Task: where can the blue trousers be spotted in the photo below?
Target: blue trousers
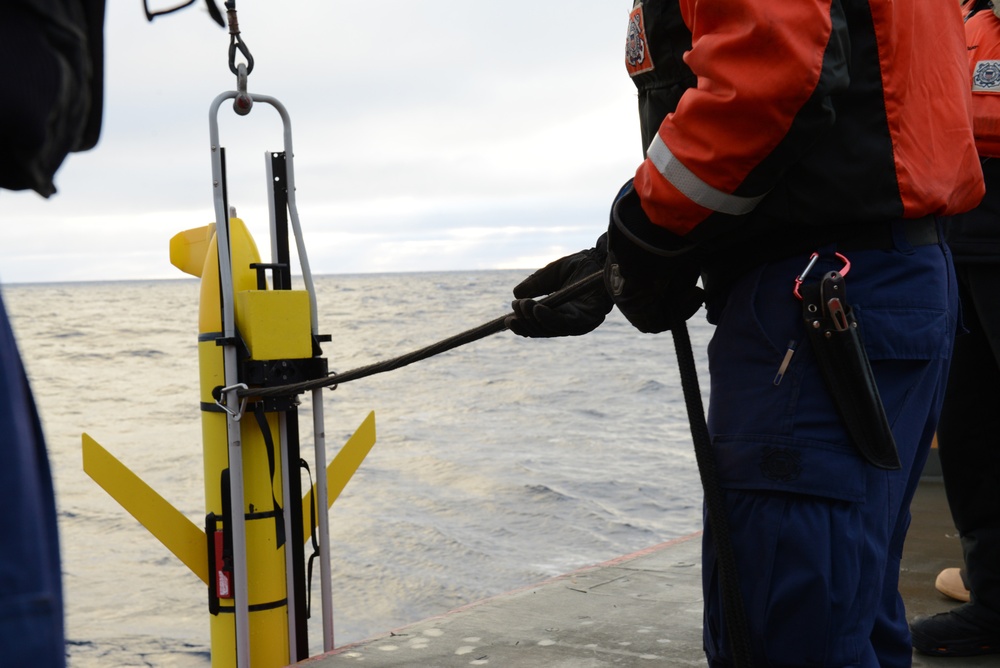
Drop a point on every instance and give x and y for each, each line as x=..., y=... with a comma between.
x=31, y=603
x=817, y=531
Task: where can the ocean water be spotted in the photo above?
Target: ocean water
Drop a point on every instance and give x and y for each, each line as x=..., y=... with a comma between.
x=496, y=465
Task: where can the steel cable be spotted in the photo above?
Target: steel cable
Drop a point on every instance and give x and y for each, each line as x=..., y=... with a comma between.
x=476, y=333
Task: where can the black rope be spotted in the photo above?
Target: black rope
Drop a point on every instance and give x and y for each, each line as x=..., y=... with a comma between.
x=732, y=599
x=468, y=336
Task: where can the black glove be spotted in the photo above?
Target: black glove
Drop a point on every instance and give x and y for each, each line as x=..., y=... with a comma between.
x=651, y=273
x=577, y=316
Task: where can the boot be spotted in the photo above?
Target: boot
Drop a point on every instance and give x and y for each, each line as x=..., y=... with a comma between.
x=968, y=630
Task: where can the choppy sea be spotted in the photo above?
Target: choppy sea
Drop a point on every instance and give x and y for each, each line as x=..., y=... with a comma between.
x=496, y=465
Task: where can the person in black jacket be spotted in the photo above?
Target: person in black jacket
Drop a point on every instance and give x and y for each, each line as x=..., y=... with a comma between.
x=51, y=102
x=969, y=434
x=969, y=430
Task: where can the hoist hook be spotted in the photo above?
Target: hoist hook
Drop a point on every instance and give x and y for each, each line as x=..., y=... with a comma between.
x=243, y=102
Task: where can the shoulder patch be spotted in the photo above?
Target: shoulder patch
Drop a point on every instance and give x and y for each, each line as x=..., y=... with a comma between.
x=986, y=77
x=637, y=56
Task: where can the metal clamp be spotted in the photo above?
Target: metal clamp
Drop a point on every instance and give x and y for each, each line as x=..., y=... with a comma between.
x=831, y=293
x=243, y=102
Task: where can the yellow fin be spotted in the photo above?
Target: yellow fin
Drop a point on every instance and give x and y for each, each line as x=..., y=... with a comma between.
x=179, y=534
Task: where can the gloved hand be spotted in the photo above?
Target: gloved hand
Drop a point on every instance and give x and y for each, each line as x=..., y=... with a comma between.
x=577, y=316
x=650, y=273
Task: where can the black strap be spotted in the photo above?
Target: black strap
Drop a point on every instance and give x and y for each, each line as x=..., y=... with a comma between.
x=265, y=430
x=257, y=607
x=312, y=535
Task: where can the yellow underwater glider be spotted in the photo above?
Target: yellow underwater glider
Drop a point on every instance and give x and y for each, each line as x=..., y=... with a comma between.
x=250, y=552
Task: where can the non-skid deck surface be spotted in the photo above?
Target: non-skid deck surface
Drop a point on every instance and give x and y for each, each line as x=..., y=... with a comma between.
x=641, y=610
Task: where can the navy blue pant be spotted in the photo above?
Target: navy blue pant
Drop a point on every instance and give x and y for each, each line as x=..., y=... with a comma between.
x=817, y=531
x=31, y=604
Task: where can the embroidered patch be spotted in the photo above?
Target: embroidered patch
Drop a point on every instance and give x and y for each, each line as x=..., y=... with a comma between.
x=781, y=464
x=987, y=76
x=637, y=56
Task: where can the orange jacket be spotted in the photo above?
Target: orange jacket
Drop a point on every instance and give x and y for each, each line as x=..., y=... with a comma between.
x=813, y=113
x=982, y=32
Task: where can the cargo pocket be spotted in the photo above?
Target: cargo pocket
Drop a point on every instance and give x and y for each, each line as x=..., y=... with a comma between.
x=803, y=596
x=782, y=464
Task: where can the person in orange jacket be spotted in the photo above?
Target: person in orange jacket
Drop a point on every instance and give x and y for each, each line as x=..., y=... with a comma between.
x=779, y=135
x=968, y=443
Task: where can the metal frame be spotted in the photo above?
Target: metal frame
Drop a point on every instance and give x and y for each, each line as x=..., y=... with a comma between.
x=231, y=380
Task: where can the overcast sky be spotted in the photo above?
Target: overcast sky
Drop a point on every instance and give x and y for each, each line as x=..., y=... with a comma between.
x=428, y=135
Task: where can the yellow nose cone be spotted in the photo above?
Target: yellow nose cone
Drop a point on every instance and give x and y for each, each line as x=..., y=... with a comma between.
x=189, y=248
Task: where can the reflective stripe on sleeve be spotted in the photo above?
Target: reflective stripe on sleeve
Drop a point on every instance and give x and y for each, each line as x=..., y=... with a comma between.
x=694, y=188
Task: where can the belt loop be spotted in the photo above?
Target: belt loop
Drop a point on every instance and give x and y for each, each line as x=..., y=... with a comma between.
x=827, y=250
x=899, y=239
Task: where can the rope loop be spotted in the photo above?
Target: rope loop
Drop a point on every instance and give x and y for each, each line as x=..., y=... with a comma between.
x=235, y=41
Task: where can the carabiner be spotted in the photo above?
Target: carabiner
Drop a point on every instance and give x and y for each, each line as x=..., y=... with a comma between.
x=236, y=414
x=812, y=262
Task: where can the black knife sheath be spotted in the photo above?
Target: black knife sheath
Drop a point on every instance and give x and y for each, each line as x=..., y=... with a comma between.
x=843, y=362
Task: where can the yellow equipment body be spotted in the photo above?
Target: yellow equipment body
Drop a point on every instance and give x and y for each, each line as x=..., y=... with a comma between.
x=262, y=477
x=250, y=337
x=272, y=325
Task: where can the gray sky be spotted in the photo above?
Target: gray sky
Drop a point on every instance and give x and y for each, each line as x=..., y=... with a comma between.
x=428, y=135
